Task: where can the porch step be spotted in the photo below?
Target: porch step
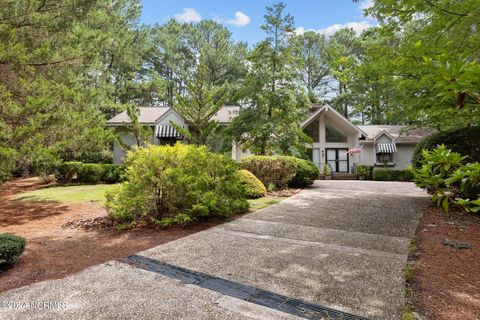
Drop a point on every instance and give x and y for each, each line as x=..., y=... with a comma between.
x=341, y=176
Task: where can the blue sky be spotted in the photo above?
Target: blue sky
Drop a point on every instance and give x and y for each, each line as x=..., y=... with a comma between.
x=244, y=17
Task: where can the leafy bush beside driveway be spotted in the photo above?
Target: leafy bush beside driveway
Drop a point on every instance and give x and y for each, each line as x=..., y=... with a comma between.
x=254, y=188
x=445, y=175
x=176, y=185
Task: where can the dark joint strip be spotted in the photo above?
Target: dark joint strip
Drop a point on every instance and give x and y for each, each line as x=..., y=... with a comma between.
x=240, y=291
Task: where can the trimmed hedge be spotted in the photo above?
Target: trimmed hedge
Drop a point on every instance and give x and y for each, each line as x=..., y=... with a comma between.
x=281, y=171
x=465, y=141
x=273, y=171
x=89, y=172
x=306, y=173
x=382, y=174
x=11, y=247
x=254, y=188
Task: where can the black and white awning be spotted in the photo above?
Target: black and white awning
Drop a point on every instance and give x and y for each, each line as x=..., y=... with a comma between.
x=386, y=148
x=167, y=131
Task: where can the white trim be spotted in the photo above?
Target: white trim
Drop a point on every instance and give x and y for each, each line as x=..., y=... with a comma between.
x=166, y=113
x=327, y=108
x=385, y=133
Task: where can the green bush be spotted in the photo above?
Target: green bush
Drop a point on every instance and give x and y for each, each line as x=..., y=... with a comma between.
x=365, y=171
x=305, y=173
x=445, y=175
x=463, y=141
x=176, y=185
x=11, y=247
x=89, y=172
x=254, y=188
x=382, y=174
x=281, y=171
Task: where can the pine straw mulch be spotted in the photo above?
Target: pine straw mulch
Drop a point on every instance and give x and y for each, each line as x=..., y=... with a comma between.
x=445, y=282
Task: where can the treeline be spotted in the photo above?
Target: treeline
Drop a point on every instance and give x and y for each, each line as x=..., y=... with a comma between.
x=66, y=66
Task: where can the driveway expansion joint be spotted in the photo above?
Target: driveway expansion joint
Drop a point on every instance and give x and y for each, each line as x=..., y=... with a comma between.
x=240, y=291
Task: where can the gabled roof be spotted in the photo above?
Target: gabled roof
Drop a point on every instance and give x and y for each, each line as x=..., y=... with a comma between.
x=151, y=115
x=383, y=132
x=226, y=114
x=148, y=115
x=315, y=110
x=397, y=132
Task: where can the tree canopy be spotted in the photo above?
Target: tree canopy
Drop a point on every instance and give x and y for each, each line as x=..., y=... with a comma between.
x=67, y=66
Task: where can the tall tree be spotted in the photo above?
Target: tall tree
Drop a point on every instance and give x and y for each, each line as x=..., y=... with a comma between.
x=53, y=57
x=275, y=104
x=436, y=60
x=198, y=106
x=181, y=47
x=311, y=48
x=343, y=53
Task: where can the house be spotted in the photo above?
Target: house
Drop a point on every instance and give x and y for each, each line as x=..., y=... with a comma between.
x=343, y=145
x=336, y=141
x=158, y=119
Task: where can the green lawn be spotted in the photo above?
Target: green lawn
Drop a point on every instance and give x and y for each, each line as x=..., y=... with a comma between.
x=257, y=204
x=68, y=194
x=84, y=193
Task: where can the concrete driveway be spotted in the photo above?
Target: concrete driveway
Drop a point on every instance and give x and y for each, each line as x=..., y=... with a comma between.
x=334, y=251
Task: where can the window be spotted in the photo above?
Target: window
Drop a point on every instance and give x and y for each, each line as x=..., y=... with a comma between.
x=332, y=135
x=385, y=157
x=312, y=131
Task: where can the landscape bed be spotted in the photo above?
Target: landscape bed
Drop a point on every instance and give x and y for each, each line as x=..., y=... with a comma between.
x=443, y=278
x=44, y=216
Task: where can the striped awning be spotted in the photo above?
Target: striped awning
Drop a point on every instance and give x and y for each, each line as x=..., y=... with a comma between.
x=386, y=148
x=167, y=131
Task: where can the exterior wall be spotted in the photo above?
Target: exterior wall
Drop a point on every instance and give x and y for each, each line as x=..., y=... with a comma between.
x=367, y=156
x=238, y=153
x=404, y=155
x=319, y=148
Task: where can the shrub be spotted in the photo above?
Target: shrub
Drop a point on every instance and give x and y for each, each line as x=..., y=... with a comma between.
x=254, y=188
x=11, y=247
x=176, y=185
x=89, y=172
x=463, y=141
x=365, y=171
x=382, y=174
x=444, y=175
x=305, y=173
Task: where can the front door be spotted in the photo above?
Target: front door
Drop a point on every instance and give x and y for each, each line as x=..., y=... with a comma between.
x=337, y=158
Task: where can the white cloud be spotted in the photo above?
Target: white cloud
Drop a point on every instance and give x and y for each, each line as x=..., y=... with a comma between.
x=188, y=15
x=366, y=4
x=358, y=27
x=241, y=19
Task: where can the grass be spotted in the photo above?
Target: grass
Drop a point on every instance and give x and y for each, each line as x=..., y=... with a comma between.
x=257, y=204
x=96, y=193
x=68, y=194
